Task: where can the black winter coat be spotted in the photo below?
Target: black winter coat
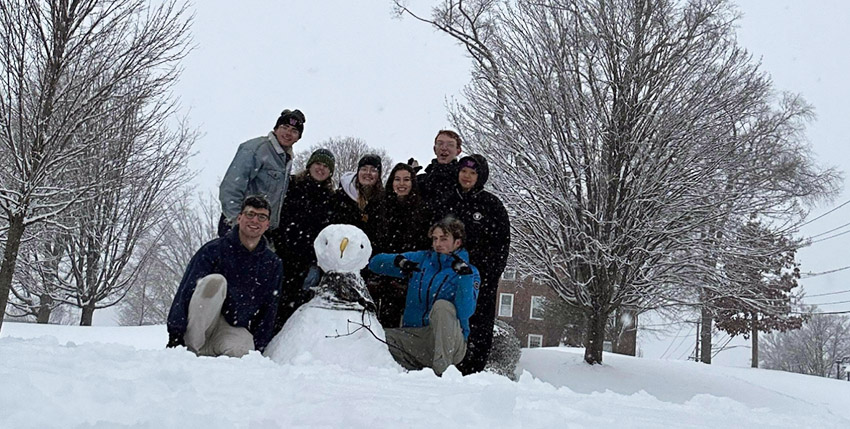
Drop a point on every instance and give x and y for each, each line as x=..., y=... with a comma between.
x=347, y=211
x=403, y=226
x=306, y=211
x=488, y=229
x=436, y=186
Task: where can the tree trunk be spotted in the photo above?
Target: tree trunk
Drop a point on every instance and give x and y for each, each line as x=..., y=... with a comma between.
x=755, y=334
x=44, y=308
x=10, y=257
x=595, y=338
x=705, y=336
x=88, y=313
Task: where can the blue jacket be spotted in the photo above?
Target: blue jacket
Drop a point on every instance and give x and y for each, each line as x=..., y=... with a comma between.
x=253, y=281
x=436, y=280
x=257, y=168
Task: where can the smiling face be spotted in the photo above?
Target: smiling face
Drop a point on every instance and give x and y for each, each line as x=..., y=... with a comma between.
x=443, y=242
x=367, y=175
x=253, y=222
x=287, y=135
x=319, y=172
x=467, y=178
x=446, y=149
x=402, y=183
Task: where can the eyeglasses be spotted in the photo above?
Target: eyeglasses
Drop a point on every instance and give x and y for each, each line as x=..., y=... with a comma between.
x=368, y=169
x=260, y=216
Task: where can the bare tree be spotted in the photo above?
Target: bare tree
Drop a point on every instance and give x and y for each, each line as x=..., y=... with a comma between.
x=188, y=224
x=812, y=349
x=347, y=151
x=625, y=138
x=61, y=63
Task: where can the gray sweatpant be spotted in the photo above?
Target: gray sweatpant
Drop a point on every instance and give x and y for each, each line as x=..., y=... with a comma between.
x=435, y=346
x=207, y=333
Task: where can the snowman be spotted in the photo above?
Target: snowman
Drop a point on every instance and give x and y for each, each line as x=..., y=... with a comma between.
x=338, y=326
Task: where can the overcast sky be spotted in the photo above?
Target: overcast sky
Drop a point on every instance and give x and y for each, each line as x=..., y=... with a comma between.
x=354, y=70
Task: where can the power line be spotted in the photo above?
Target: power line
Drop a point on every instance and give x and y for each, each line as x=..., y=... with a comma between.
x=828, y=293
x=830, y=303
x=836, y=208
x=810, y=275
x=819, y=313
x=827, y=238
x=827, y=232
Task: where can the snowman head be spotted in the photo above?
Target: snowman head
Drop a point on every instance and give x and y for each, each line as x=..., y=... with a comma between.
x=342, y=248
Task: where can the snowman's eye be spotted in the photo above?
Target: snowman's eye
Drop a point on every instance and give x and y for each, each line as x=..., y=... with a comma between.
x=361, y=246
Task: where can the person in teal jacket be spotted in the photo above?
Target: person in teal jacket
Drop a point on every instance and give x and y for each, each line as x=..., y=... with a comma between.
x=442, y=291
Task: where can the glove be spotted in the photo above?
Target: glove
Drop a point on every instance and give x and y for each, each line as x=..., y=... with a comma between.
x=460, y=266
x=174, y=340
x=406, y=266
x=415, y=164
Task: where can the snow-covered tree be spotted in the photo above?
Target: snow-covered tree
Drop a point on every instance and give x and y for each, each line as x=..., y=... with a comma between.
x=812, y=349
x=347, y=151
x=189, y=224
x=624, y=137
x=61, y=63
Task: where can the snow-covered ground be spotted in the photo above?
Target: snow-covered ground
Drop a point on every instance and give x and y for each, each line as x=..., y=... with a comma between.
x=97, y=377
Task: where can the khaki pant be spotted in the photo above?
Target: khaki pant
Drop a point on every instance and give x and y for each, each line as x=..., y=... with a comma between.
x=435, y=346
x=207, y=333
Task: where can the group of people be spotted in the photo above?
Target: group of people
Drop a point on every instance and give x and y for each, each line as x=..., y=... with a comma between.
x=440, y=243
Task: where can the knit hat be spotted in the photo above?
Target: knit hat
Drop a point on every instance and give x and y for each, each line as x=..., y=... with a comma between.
x=324, y=156
x=370, y=159
x=292, y=117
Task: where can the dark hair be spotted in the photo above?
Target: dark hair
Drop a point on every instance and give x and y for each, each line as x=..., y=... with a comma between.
x=451, y=225
x=413, y=196
x=451, y=134
x=257, y=202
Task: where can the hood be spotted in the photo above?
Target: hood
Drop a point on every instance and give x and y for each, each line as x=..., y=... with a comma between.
x=347, y=183
x=481, y=167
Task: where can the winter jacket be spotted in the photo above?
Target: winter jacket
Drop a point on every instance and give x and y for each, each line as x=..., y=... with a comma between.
x=305, y=212
x=347, y=211
x=435, y=280
x=253, y=279
x=403, y=226
x=257, y=168
x=436, y=185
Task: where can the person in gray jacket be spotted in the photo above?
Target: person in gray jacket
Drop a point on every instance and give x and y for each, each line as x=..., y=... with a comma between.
x=261, y=166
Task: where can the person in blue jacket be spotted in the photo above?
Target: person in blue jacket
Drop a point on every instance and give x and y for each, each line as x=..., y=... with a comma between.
x=228, y=298
x=441, y=295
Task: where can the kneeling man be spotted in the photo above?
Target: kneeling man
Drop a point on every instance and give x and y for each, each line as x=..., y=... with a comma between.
x=227, y=300
x=441, y=295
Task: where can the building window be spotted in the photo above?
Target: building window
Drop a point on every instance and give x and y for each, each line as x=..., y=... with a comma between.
x=506, y=305
x=537, y=280
x=537, y=307
x=509, y=274
x=535, y=340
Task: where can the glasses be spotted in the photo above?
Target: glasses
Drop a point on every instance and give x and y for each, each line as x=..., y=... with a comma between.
x=260, y=216
x=368, y=169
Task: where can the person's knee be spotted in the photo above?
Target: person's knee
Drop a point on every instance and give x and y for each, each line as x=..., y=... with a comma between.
x=212, y=285
x=443, y=308
x=238, y=346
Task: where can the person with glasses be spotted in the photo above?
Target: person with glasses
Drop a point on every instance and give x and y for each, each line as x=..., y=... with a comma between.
x=358, y=199
x=440, y=175
x=226, y=302
x=261, y=166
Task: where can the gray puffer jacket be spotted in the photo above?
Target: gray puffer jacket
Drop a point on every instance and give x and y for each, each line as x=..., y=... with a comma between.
x=256, y=169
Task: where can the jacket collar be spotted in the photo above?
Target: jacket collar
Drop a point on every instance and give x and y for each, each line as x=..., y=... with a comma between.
x=232, y=237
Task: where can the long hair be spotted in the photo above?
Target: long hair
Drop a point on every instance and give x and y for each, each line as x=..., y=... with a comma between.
x=413, y=197
x=305, y=175
x=368, y=194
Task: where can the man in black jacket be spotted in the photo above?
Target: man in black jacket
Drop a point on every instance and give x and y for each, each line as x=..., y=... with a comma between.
x=440, y=176
x=227, y=300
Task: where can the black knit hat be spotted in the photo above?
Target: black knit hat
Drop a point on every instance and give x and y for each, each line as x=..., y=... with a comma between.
x=292, y=117
x=324, y=156
x=370, y=159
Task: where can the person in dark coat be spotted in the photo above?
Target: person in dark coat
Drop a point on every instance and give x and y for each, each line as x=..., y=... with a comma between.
x=440, y=177
x=305, y=212
x=227, y=300
x=488, y=241
x=403, y=228
x=358, y=200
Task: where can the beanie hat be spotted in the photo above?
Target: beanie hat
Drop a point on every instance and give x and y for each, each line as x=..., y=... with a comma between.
x=292, y=117
x=324, y=156
x=370, y=159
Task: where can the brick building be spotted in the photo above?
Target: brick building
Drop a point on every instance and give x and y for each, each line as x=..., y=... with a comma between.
x=520, y=304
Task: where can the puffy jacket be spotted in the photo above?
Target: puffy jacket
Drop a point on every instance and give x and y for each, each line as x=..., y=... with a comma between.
x=257, y=168
x=347, y=211
x=435, y=280
x=253, y=279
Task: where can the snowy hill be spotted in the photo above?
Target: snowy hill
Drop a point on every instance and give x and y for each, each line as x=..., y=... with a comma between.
x=68, y=377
